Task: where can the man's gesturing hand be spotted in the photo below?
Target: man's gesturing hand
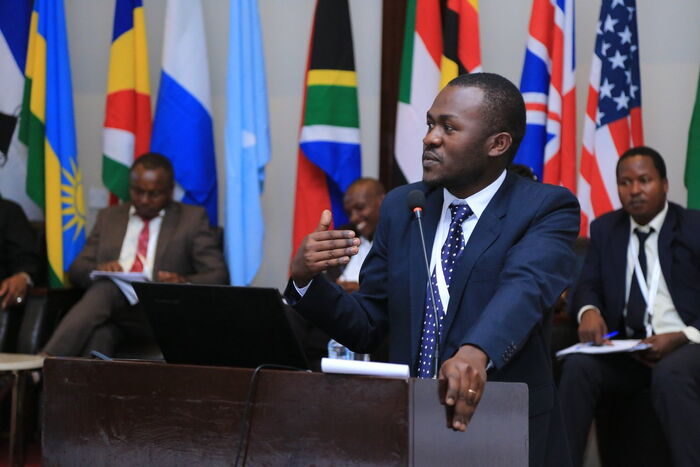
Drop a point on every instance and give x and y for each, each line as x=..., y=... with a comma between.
x=462, y=380
x=323, y=249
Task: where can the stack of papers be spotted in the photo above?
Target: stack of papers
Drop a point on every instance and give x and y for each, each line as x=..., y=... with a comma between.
x=618, y=345
x=123, y=280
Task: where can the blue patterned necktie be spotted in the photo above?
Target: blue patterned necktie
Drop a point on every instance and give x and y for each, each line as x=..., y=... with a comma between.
x=451, y=250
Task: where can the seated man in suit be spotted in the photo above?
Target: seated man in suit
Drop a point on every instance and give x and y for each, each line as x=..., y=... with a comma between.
x=500, y=252
x=166, y=240
x=641, y=278
x=19, y=259
x=361, y=202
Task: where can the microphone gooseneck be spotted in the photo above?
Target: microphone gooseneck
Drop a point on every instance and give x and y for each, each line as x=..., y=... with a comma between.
x=416, y=203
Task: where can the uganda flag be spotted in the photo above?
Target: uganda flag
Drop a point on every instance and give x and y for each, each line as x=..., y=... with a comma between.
x=441, y=41
x=47, y=127
x=329, y=157
x=127, y=126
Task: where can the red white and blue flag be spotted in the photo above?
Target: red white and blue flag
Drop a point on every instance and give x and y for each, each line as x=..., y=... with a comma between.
x=613, y=121
x=548, y=85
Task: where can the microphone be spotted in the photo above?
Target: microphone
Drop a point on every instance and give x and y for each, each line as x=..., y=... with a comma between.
x=416, y=203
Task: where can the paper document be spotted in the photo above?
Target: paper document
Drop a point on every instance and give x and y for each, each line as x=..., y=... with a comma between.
x=123, y=280
x=124, y=276
x=617, y=345
x=357, y=367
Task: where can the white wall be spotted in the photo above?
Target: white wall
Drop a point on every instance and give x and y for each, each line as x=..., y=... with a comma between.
x=670, y=54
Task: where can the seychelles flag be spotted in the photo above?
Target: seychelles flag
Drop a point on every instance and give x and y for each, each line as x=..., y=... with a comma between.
x=127, y=127
x=47, y=127
x=329, y=158
x=183, y=127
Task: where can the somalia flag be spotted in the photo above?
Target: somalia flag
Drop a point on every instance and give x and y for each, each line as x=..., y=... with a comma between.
x=247, y=142
x=47, y=127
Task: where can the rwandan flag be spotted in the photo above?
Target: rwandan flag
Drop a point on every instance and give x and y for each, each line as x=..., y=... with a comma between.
x=47, y=127
x=329, y=157
x=127, y=127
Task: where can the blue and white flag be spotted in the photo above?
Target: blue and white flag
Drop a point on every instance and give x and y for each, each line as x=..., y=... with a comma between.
x=247, y=142
x=14, y=37
x=183, y=127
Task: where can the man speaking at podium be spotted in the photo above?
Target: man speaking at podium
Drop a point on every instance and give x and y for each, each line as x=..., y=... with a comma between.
x=502, y=246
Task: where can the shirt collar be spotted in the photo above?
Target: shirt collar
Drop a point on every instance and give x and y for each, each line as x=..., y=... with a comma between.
x=479, y=200
x=656, y=223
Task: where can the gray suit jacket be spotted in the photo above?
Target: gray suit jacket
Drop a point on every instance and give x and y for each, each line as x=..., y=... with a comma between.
x=187, y=245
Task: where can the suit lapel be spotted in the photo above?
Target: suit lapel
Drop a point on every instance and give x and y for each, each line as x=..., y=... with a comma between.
x=619, y=242
x=167, y=229
x=116, y=230
x=485, y=233
x=665, y=238
x=418, y=272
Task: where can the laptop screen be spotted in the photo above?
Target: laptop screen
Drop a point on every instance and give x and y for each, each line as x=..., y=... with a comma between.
x=220, y=325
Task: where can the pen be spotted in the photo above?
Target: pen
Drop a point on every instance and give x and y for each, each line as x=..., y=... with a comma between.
x=607, y=336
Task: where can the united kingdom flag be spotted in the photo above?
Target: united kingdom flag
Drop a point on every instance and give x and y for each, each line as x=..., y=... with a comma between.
x=548, y=87
x=613, y=121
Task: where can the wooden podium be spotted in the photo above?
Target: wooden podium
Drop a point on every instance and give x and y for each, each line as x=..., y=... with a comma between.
x=138, y=413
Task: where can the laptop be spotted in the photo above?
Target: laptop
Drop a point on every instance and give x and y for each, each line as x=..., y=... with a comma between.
x=220, y=325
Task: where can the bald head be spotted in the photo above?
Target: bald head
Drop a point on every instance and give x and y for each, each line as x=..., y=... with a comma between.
x=362, y=201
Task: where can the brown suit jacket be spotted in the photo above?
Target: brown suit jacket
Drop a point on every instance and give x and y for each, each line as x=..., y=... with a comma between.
x=187, y=245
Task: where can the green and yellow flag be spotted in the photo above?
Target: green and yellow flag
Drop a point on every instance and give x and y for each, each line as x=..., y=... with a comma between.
x=692, y=161
x=47, y=127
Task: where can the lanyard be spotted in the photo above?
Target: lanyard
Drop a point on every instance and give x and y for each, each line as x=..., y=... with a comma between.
x=648, y=292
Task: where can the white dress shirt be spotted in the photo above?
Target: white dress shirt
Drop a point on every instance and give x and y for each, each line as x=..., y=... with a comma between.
x=351, y=273
x=664, y=316
x=131, y=241
x=477, y=202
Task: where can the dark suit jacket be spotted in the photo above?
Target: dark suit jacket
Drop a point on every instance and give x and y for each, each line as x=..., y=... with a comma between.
x=18, y=245
x=187, y=245
x=514, y=267
x=602, y=281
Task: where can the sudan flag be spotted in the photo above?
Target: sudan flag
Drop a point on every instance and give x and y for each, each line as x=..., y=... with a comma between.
x=441, y=41
x=127, y=126
x=329, y=144
x=47, y=127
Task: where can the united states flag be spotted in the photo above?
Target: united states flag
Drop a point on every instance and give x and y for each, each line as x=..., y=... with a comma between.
x=548, y=87
x=613, y=121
